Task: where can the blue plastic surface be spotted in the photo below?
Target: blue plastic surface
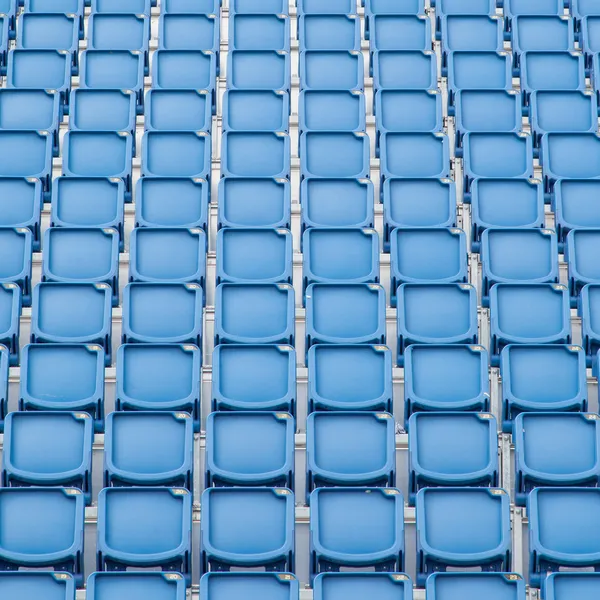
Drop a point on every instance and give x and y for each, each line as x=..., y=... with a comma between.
x=407, y=70
x=589, y=31
x=4, y=366
x=332, y=7
x=581, y=250
x=588, y=304
x=496, y=586
x=584, y=8
x=335, y=154
x=256, y=110
x=329, y=32
x=255, y=154
x=322, y=110
x=253, y=586
x=10, y=313
x=31, y=586
x=118, y=6
x=16, y=247
x=194, y=6
x=558, y=586
x=399, y=32
x=134, y=586
x=332, y=70
x=515, y=8
x=246, y=6
x=176, y=154
x=258, y=70
x=20, y=205
x=572, y=206
x=188, y=31
x=266, y=31
x=354, y=586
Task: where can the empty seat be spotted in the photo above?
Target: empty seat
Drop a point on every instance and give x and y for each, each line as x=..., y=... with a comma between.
x=340, y=256
x=588, y=305
x=427, y=255
x=505, y=203
x=332, y=7
x=538, y=378
x=516, y=8
x=189, y=32
x=171, y=202
x=59, y=377
x=9, y=8
x=497, y=155
x=48, y=449
x=356, y=527
x=436, y=313
x=332, y=70
x=253, y=586
x=178, y=110
x=159, y=377
x=353, y=586
x=254, y=202
x=575, y=206
x=254, y=377
x=590, y=28
x=405, y=69
x=21, y=201
x=257, y=313
x=470, y=456
x=10, y=313
x=337, y=202
x=399, y=32
x=266, y=31
x=427, y=369
x=256, y=110
x=329, y=32
x=254, y=256
x=139, y=7
x=82, y=255
x=255, y=154
x=452, y=586
x=564, y=529
x=559, y=586
x=247, y=6
x=349, y=377
x=335, y=154
x=258, y=70
x=349, y=313
x=464, y=7
x=271, y=462
x=126, y=586
x=16, y=247
x=462, y=528
x=555, y=449
x=163, y=313
x=145, y=527
x=350, y=449
x=72, y=313
x=31, y=585
x=336, y=110
x=167, y=255
x=192, y=6
x=581, y=249
x=518, y=256
x=4, y=366
x=252, y=527
x=148, y=448
x=50, y=6
x=176, y=154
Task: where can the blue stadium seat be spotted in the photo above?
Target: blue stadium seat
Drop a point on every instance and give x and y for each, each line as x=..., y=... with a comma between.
x=178, y=110
x=10, y=313
x=436, y=313
x=258, y=70
x=88, y=202
x=167, y=255
x=4, y=366
x=505, y=203
x=336, y=202
x=415, y=155
x=82, y=255
x=251, y=527
x=346, y=449
x=572, y=206
x=584, y=8
x=48, y=449
x=9, y=8
x=138, y=7
x=271, y=462
x=581, y=249
x=426, y=256
x=555, y=449
x=349, y=377
x=462, y=528
x=99, y=154
x=399, y=32
x=159, y=377
x=394, y=7
x=588, y=305
x=59, y=377
x=257, y=313
x=171, y=202
x=254, y=378
x=404, y=70
x=329, y=32
x=348, y=313
x=162, y=313
x=254, y=256
x=341, y=7
x=516, y=8
x=245, y=6
x=21, y=201
x=470, y=457
x=426, y=372
x=43, y=527
x=253, y=586
x=497, y=155
x=16, y=246
x=353, y=586
x=444, y=8
x=254, y=202
x=340, y=256
x=149, y=448
x=537, y=378
x=518, y=256
x=454, y=586
x=266, y=31
x=31, y=585
x=127, y=586
x=48, y=6
x=109, y=70
x=559, y=586
x=564, y=528
x=356, y=527
x=335, y=110
x=589, y=30
x=176, y=154
x=194, y=6
x=255, y=154
x=185, y=31
x=145, y=527
x=256, y=110
x=331, y=70
x=335, y=154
